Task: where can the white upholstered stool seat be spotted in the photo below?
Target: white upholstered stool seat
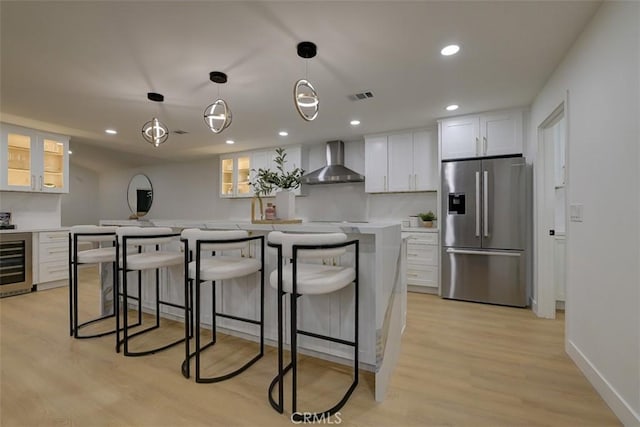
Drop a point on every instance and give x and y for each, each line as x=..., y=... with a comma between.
x=224, y=267
x=317, y=260
x=82, y=237
x=215, y=256
x=141, y=249
x=314, y=279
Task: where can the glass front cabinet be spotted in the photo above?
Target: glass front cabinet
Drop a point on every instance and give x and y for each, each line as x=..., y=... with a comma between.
x=33, y=161
x=234, y=175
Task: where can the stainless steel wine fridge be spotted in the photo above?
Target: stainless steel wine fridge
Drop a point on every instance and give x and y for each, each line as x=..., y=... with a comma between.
x=15, y=264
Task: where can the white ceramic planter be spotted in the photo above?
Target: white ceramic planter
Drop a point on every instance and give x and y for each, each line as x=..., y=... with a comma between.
x=285, y=204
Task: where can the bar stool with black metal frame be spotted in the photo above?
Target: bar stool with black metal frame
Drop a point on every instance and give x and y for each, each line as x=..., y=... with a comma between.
x=139, y=237
x=94, y=235
x=216, y=268
x=297, y=279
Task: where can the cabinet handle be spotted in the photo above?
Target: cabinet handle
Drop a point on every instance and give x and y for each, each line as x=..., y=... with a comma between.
x=33, y=182
x=484, y=143
x=415, y=181
x=41, y=182
x=477, y=146
x=385, y=183
x=409, y=181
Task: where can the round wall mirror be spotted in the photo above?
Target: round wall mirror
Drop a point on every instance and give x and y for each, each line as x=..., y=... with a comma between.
x=140, y=195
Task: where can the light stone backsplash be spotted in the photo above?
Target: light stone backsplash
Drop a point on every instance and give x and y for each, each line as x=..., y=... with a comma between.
x=31, y=210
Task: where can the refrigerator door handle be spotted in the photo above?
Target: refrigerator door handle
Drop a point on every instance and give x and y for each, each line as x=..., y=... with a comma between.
x=469, y=252
x=477, y=204
x=485, y=203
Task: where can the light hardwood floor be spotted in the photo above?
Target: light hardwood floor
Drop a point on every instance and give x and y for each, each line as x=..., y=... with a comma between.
x=461, y=364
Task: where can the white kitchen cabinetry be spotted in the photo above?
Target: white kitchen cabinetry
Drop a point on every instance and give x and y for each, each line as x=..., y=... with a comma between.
x=33, y=161
x=422, y=261
x=52, y=264
x=488, y=134
x=238, y=169
x=265, y=159
x=401, y=162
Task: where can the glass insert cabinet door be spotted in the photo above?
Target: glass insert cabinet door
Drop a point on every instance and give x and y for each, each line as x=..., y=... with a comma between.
x=19, y=172
x=53, y=152
x=235, y=173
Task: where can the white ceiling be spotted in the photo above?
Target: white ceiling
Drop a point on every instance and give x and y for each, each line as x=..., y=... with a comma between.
x=80, y=67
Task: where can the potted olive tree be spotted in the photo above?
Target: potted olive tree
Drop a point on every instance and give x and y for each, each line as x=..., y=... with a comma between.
x=267, y=180
x=428, y=219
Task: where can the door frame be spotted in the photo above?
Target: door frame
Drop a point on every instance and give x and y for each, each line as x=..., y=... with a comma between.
x=545, y=294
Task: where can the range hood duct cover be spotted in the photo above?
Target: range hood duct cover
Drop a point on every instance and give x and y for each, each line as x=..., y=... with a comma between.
x=335, y=172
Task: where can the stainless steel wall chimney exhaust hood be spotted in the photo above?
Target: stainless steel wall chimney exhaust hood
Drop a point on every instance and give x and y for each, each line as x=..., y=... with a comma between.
x=335, y=172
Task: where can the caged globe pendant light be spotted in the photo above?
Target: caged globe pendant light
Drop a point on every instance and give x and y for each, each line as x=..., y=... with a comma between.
x=154, y=131
x=305, y=96
x=217, y=116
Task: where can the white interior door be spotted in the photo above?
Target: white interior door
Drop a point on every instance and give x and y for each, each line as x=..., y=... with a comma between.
x=546, y=263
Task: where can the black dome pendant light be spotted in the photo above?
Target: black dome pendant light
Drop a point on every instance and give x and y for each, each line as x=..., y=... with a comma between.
x=154, y=131
x=305, y=96
x=217, y=116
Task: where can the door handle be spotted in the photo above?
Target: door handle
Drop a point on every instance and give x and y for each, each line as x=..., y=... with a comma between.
x=469, y=252
x=477, y=204
x=485, y=202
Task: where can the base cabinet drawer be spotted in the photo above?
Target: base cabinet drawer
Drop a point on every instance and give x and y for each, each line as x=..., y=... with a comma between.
x=53, y=270
x=426, y=276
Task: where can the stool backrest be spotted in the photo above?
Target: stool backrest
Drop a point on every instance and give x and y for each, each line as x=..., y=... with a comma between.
x=96, y=232
x=146, y=232
x=193, y=235
x=287, y=240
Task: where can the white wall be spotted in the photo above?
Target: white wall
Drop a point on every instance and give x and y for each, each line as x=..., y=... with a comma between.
x=80, y=205
x=601, y=74
x=31, y=210
x=190, y=191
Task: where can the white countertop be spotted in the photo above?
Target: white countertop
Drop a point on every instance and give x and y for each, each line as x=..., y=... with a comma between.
x=420, y=230
x=345, y=227
x=33, y=230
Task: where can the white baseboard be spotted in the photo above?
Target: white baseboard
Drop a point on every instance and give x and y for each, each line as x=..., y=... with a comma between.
x=618, y=405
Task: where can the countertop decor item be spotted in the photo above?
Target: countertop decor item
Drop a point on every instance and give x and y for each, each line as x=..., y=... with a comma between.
x=154, y=131
x=266, y=181
x=427, y=219
x=217, y=116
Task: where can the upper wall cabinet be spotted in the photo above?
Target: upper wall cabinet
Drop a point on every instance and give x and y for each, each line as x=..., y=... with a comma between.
x=33, y=161
x=401, y=162
x=238, y=169
x=489, y=134
x=234, y=175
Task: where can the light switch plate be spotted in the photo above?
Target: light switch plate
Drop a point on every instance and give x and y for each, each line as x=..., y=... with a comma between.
x=575, y=213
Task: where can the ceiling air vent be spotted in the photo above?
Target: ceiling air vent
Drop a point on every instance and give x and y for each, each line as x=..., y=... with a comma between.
x=180, y=132
x=361, y=96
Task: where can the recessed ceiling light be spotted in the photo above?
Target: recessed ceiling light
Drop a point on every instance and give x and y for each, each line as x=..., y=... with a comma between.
x=111, y=131
x=230, y=141
x=70, y=152
x=452, y=49
x=452, y=107
x=283, y=133
x=354, y=122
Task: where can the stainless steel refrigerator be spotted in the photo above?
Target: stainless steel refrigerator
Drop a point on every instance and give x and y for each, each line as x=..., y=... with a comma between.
x=484, y=230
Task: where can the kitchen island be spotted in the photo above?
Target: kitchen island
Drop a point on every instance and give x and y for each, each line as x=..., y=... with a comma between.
x=382, y=295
